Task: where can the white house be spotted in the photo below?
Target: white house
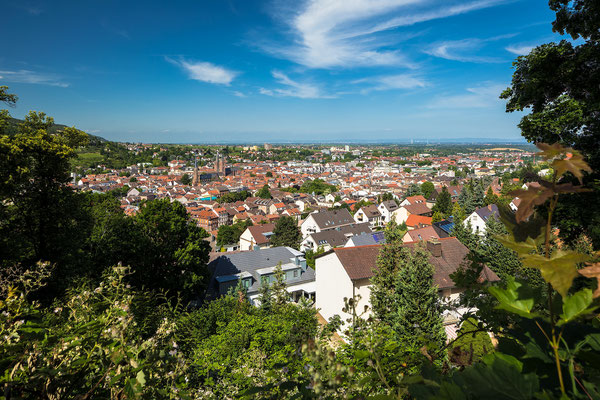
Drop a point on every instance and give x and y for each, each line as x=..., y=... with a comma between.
x=256, y=236
x=479, y=218
x=386, y=208
x=369, y=214
x=347, y=271
x=325, y=220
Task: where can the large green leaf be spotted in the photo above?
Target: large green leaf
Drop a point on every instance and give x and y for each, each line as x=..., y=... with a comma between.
x=558, y=270
x=576, y=305
x=516, y=298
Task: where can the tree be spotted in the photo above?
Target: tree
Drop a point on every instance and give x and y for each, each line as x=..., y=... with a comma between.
x=185, y=179
x=40, y=217
x=264, y=192
x=457, y=213
x=269, y=174
x=392, y=256
x=286, y=233
x=393, y=232
x=437, y=217
x=417, y=312
x=229, y=234
x=557, y=83
x=427, y=188
x=443, y=203
x=477, y=194
x=465, y=199
x=279, y=287
x=173, y=253
x=490, y=197
x=413, y=190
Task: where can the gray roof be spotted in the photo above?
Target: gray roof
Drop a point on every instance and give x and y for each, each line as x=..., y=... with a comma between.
x=333, y=218
x=486, y=212
x=368, y=239
x=250, y=262
x=332, y=237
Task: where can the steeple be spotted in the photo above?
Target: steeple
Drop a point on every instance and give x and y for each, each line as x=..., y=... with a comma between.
x=195, y=178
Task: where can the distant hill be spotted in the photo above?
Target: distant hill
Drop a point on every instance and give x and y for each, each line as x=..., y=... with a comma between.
x=94, y=140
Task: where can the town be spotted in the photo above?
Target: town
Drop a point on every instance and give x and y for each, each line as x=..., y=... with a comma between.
x=338, y=206
x=310, y=200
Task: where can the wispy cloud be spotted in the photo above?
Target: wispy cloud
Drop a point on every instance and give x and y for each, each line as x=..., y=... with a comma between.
x=519, y=50
x=481, y=96
x=391, y=82
x=292, y=88
x=33, y=77
x=344, y=33
x=238, y=93
x=205, y=71
x=461, y=50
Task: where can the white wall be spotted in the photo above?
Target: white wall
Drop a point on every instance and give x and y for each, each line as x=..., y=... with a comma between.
x=400, y=215
x=309, y=226
x=478, y=225
x=333, y=284
x=246, y=241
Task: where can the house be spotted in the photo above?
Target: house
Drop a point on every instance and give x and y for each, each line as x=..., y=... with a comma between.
x=333, y=237
x=402, y=213
x=419, y=199
x=325, y=220
x=208, y=220
x=346, y=271
x=256, y=236
x=325, y=239
x=257, y=268
x=479, y=218
x=369, y=214
x=386, y=208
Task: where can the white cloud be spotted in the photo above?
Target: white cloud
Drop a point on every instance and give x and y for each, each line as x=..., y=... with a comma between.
x=456, y=49
x=206, y=72
x=482, y=96
x=391, y=82
x=238, y=94
x=33, y=77
x=519, y=50
x=348, y=33
x=302, y=90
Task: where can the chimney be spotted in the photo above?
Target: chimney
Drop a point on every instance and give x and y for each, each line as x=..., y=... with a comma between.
x=434, y=247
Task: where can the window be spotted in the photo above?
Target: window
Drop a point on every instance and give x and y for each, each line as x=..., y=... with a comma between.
x=295, y=273
x=247, y=283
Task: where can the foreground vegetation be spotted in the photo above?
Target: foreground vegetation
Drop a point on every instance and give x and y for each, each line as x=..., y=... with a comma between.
x=94, y=304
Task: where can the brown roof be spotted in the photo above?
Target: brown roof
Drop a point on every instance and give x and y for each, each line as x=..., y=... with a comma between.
x=258, y=231
x=360, y=262
x=425, y=233
x=418, y=208
x=371, y=211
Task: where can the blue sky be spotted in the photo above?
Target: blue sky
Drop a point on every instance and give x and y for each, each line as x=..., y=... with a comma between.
x=278, y=71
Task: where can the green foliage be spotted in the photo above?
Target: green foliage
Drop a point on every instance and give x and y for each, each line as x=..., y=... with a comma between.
x=88, y=346
x=471, y=344
x=490, y=197
x=233, y=197
x=185, y=179
x=264, y=192
x=443, y=203
x=245, y=344
x=286, y=233
x=317, y=186
x=229, y=234
x=174, y=250
x=310, y=256
x=427, y=188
